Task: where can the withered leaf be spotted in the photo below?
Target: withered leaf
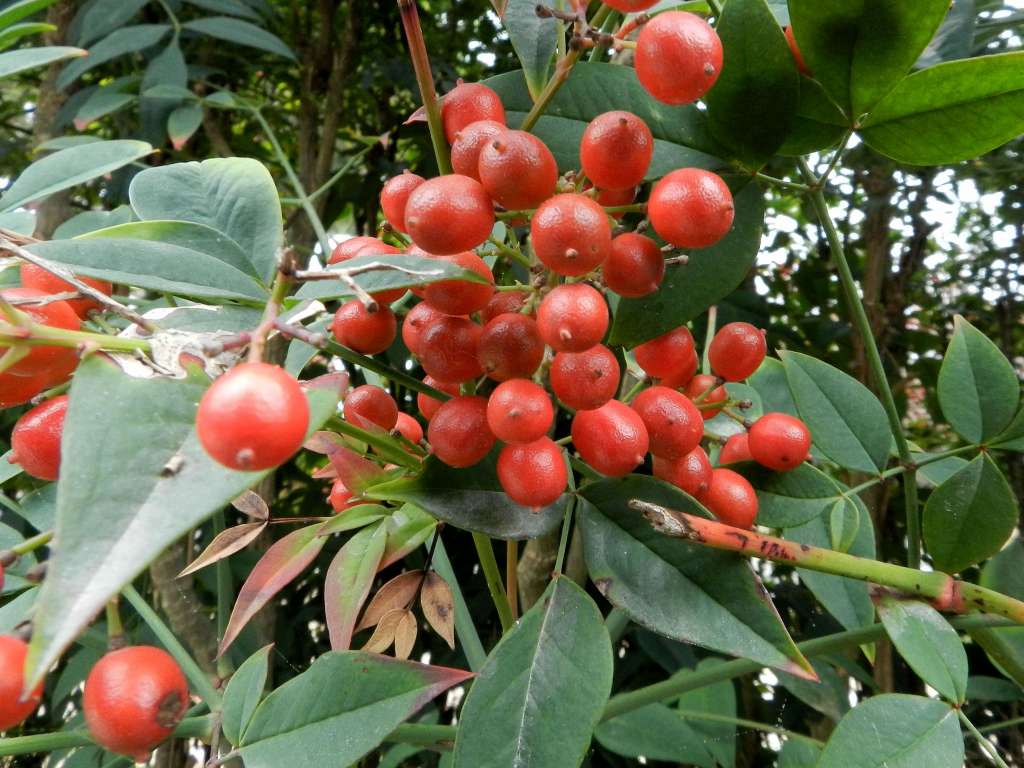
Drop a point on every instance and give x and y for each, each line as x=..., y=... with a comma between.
x=439, y=607
x=395, y=594
x=226, y=543
x=252, y=505
x=405, y=635
x=384, y=635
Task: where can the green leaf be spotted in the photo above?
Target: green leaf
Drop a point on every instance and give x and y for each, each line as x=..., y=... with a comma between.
x=676, y=588
x=982, y=97
x=348, y=582
x=978, y=387
x=165, y=70
x=830, y=695
x=970, y=516
x=407, y=527
x=655, y=732
x=398, y=271
x=118, y=508
x=102, y=102
x=233, y=7
x=118, y=43
x=689, y=289
x=1012, y=438
x=12, y=62
x=234, y=195
x=896, y=731
x=1005, y=647
x=23, y=222
x=70, y=167
x=843, y=524
x=10, y=35
x=137, y=254
x=358, y=516
x=100, y=17
x=17, y=11
x=339, y=709
x=787, y=499
x=818, y=123
x=681, y=136
x=715, y=700
x=929, y=645
x=847, y=600
x=182, y=123
x=244, y=693
x=860, y=49
x=541, y=692
x=533, y=40
x=240, y=32
x=987, y=688
x=847, y=421
x=751, y=107
x=770, y=382
x=938, y=472
x=17, y=610
x=90, y=221
x=798, y=754
x=955, y=37
x=471, y=499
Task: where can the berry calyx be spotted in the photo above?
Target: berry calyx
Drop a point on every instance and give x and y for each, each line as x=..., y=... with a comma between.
x=468, y=144
x=678, y=57
x=571, y=234
x=668, y=355
x=517, y=170
x=449, y=349
x=134, y=698
x=704, y=390
x=572, y=317
x=798, y=57
x=737, y=350
x=370, y=407
x=616, y=150
x=56, y=314
x=14, y=710
x=510, y=347
x=691, y=208
x=467, y=103
x=585, y=380
x=779, y=441
x=35, y=439
x=461, y=297
x=395, y=194
x=674, y=425
x=533, y=474
x=519, y=411
x=731, y=498
x=428, y=405
x=409, y=428
x=635, y=266
x=367, y=332
x=449, y=214
x=253, y=417
x=691, y=473
x=458, y=433
x=612, y=439
x=39, y=279
x=735, y=450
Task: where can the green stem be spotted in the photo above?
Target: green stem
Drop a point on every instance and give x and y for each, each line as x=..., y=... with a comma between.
x=225, y=598
x=312, y=196
x=705, y=364
x=383, y=444
x=984, y=743
x=189, y=728
x=425, y=81
x=716, y=9
x=32, y=544
x=860, y=321
x=115, y=629
x=882, y=476
x=385, y=370
x=710, y=717
x=608, y=27
x=793, y=185
x=171, y=16
x=634, y=390
x=200, y=683
x=48, y=336
x=1002, y=725
x=439, y=738
x=489, y=565
x=563, y=541
x=464, y=626
x=512, y=253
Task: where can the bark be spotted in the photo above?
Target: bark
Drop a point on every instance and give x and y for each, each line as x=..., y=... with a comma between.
x=536, y=563
x=186, y=615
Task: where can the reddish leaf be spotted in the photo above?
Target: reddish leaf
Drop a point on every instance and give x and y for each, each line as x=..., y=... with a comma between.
x=252, y=505
x=439, y=607
x=405, y=635
x=355, y=472
x=225, y=544
x=336, y=383
x=397, y=593
x=408, y=527
x=322, y=442
x=326, y=472
x=384, y=635
x=358, y=516
x=348, y=582
x=285, y=560
x=419, y=116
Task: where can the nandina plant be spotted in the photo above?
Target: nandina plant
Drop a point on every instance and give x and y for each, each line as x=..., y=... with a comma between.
x=536, y=344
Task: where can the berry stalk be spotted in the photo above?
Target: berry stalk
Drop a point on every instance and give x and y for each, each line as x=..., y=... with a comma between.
x=425, y=80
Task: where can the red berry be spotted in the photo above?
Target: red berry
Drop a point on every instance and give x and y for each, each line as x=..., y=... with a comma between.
x=133, y=699
x=461, y=297
x=674, y=425
x=691, y=208
x=415, y=322
x=612, y=439
x=502, y=302
x=616, y=150
x=798, y=57
x=736, y=351
x=395, y=194
x=467, y=103
x=731, y=498
x=458, y=433
x=692, y=473
x=573, y=317
x=409, y=428
x=613, y=197
x=631, y=6
x=684, y=374
x=519, y=411
x=428, y=405
x=340, y=496
x=15, y=390
x=735, y=450
x=449, y=347
x=370, y=407
x=355, y=247
x=585, y=380
x=678, y=57
x=510, y=347
x=698, y=388
x=779, y=441
x=449, y=214
x=667, y=355
x=468, y=143
x=41, y=280
x=533, y=474
x=635, y=266
x=366, y=332
x=517, y=170
x=57, y=314
x=571, y=234
x=253, y=417
x=14, y=711
x=35, y=439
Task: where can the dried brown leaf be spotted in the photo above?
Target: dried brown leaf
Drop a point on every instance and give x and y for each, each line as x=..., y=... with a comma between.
x=395, y=594
x=252, y=505
x=405, y=635
x=226, y=543
x=384, y=635
x=439, y=607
